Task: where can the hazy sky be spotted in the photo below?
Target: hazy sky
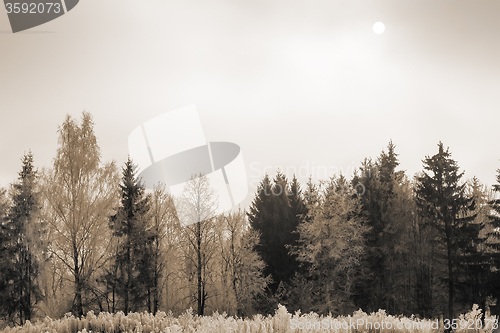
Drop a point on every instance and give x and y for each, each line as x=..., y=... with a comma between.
x=303, y=85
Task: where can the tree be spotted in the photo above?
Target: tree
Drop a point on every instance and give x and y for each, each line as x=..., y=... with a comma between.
x=7, y=272
x=242, y=265
x=133, y=263
x=165, y=235
x=27, y=240
x=378, y=187
x=474, y=266
x=446, y=208
x=170, y=259
x=275, y=213
x=80, y=195
x=402, y=251
x=4, y=204
x=332, y=244
x=492, y=235
x=196, y=208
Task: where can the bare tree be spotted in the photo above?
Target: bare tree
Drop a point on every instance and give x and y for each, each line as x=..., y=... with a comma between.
x=242, y=267
x=80, y=194
x=164, y=226
x=196, y=208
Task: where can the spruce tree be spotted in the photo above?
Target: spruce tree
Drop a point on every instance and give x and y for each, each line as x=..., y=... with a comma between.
x=132, y=261
x=260, y=216
x=26, y=240
x=376, y=184
x=276, y=212
x=445, y=207
x=261, y=208
x=288, y=206
x=298, y=209
x=7, y=272
x=473, y=251
x=493, y=244
x=332, y=243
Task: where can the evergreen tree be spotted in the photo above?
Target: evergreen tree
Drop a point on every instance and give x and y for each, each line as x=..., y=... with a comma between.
x=261, y=209
x=7, y=272
x=446, y=209
x=492, y=234
x=27, y=241
x=275, y=213
x=376, y=185
x=332, y=243
x=133, y=259
x=299, y=291
x=298, y=209
x=402, y=251
x=311, y=195
x=474, y=265
x=287, y=211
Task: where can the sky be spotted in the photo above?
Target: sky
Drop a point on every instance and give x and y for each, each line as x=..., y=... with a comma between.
x=305, y=86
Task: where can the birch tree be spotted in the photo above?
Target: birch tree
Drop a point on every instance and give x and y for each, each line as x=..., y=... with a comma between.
x=243, y=267
x=81, y=193
x=197, y=206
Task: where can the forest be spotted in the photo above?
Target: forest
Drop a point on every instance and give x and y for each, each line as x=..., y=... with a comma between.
x=84, y=237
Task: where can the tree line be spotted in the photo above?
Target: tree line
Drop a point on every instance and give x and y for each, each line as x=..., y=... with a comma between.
x=83, y=235
x=427, y=245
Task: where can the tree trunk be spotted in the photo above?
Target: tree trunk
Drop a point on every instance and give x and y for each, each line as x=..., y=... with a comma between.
x=198, y=269
x=27, y=314
x=451, y=286
x=78, y=284
x=128, y=282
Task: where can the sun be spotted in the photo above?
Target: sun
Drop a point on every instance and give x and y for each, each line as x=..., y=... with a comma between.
x=378, y=28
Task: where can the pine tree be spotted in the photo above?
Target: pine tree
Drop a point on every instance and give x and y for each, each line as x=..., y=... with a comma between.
x=493, y=245
x=474, y=265
x=402, y=250
x=288, y=206
x=27, y=240
x=311, y=195
x=376, y=185
x=275, y=213
x=261, y=209
x=133, y=261
x=7, y=271
x=446, y=208
x=298, y=209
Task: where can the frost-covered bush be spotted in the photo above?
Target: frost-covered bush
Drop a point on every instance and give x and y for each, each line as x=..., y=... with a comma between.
x=282, y=322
